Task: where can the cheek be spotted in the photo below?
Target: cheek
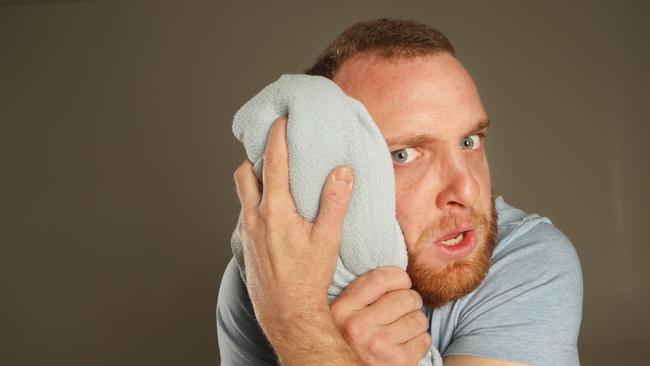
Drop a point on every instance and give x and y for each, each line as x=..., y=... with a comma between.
x=412, y=201
x=481, y=173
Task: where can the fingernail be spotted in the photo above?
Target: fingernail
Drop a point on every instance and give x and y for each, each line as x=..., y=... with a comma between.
x=344, y=175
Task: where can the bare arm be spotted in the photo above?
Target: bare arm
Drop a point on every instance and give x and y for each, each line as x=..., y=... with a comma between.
x=290, y=262
x=476, y=361
x=312, y=341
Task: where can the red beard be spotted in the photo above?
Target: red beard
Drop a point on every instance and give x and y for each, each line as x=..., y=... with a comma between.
x=439, y=286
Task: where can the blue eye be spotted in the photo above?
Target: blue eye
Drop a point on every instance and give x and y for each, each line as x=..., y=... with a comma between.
x=402, y=156
x=471, y=142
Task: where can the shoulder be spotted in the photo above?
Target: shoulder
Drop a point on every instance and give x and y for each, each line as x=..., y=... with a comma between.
x=529, y=307
x=241, y=340
x=529, y=246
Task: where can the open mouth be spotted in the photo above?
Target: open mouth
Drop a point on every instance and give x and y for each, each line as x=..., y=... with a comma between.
x=456, y=245
x=454, y=241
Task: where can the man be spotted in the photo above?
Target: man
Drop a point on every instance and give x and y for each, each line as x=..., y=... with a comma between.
x=498, y=286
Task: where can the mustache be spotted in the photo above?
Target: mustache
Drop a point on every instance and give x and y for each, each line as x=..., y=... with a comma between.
x=484, y=222
x=451, y=223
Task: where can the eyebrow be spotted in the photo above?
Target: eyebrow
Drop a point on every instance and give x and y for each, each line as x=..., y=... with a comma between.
x=422, y=138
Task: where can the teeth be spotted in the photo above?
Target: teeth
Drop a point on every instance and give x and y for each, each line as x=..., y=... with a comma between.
x=454, y=241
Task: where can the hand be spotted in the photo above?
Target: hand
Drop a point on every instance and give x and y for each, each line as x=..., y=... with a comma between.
x=380, y=318
x=290, y=261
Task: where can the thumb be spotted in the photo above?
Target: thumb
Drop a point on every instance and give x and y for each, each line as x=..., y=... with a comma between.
x=333, y=204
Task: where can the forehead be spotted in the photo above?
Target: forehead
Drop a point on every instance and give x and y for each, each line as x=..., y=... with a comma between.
x=432, y=94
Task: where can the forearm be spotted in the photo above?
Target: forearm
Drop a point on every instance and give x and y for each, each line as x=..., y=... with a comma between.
x=310, y=340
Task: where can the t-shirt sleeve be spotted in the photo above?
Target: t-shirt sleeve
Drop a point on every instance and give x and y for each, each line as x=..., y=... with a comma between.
x=241, y=340
x=529, y=307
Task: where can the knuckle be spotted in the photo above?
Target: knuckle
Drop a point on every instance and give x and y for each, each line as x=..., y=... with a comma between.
x=421, y=320
x=337, y=312
x=426, y=341
x=353, y=330
x=247, y=225
x=378, y=344
x=402, y=298
x=421, y=345
x=336, y=197
x=377, y=277
x=397, y=275
x=273, y=205
x=267, y=209
x=247, y=232
x=263, y=209
x=399, y=358
x=270, y=161
x=243, y=168
x=401, y=275
x=417, y=320
x=417, y=299
x=237, y=175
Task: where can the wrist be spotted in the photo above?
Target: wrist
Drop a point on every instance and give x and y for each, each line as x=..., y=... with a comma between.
x=281, y=324
x=277, y=309
x=310, y=339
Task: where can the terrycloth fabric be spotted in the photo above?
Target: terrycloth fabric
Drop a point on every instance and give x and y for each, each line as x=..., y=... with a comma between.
x=327, y=128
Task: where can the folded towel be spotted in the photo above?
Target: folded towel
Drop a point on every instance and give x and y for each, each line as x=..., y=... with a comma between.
x=327, y=128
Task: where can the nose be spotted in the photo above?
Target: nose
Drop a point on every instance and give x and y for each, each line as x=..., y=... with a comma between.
x=459, y=189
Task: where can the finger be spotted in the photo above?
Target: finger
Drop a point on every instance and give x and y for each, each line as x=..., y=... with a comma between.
x=370, y=286
x=334, y=202
x=417, y=347
x=275, y=170
x=392, y=306
x=248, y=189
x=407, y=327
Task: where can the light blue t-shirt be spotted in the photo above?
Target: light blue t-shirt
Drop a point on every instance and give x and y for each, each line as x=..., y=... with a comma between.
x=528, y=308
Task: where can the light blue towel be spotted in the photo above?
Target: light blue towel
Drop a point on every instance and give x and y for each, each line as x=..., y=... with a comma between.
x=327, y=128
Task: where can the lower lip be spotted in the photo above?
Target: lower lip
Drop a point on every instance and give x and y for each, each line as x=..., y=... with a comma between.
x=459, y=250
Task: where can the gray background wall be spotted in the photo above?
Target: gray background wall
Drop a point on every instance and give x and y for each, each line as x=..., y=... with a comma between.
x=117, y=157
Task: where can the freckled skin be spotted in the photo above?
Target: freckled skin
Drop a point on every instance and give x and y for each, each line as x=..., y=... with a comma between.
x=443, y=184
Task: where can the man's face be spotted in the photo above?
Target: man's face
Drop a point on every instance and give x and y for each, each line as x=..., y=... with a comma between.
x=432, y=118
